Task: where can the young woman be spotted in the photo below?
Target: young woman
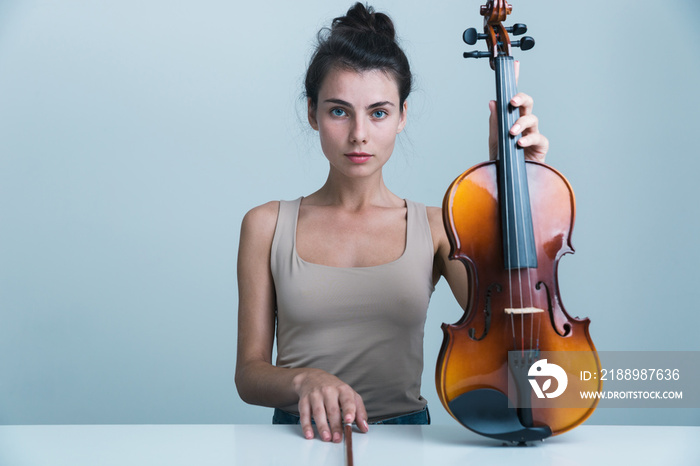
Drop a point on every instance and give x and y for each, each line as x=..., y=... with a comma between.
x=344, y=275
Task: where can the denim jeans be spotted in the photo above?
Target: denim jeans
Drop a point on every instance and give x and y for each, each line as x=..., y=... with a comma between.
x=417, y=417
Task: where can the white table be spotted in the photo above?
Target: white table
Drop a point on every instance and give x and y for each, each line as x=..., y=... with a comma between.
x=260, y=445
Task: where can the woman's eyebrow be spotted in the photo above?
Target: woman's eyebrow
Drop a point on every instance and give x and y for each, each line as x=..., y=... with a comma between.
x=381, y=104
x=349, y=105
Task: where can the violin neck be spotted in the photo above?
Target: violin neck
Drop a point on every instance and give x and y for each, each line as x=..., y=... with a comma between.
x=514, y=197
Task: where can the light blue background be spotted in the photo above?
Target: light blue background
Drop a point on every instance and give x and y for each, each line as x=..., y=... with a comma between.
x=134, y=136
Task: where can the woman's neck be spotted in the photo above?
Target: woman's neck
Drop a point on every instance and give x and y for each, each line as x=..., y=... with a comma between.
x=355, y=193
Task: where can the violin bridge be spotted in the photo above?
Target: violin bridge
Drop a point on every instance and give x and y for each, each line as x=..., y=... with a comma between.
x=523, y=310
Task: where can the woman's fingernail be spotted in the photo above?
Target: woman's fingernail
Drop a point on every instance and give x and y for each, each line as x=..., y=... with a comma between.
x=515, y=129
x=309, y=434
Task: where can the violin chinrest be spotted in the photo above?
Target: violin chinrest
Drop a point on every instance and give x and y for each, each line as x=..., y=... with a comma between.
x=486, y=412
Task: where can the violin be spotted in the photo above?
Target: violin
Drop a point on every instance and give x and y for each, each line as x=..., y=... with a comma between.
x=509, y=368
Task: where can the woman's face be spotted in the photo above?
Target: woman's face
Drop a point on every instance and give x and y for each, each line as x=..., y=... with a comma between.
x=358, y=117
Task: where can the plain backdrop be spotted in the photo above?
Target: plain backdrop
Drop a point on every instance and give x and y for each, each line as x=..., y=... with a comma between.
x=134, y=136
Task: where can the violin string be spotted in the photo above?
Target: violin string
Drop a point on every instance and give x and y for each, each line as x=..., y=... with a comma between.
x=508, y=86
x=521, y=177
x=507, y=190
x=539, y=327
x=515, y=177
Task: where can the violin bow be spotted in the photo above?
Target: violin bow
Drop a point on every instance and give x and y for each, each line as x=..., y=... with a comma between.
x=348, y=444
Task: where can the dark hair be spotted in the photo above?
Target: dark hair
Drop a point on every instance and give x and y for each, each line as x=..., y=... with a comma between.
x=362, y=40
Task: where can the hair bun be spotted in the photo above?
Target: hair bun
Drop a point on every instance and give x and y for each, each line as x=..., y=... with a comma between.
x=361, y=40
x=364, y=19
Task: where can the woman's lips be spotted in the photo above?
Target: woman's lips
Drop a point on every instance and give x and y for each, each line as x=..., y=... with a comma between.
x=358, y=157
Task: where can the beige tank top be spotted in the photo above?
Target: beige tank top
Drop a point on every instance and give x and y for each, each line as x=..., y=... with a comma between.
x=362, y=324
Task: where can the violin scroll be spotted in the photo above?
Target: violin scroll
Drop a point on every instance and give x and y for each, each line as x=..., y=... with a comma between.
x=495, y=34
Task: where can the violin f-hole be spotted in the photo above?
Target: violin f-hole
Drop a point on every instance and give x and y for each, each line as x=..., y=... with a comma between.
x=550, y=309
x=487, y=313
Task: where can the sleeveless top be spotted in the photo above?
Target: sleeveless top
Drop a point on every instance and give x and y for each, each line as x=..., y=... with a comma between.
x=362, y=324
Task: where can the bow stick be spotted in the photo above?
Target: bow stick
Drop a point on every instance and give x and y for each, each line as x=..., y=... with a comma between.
x=348, y=444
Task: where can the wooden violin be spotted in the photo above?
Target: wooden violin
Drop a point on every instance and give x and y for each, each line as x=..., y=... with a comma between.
x=509, y=368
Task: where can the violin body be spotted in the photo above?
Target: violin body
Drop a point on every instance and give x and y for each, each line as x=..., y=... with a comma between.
x=474, y=353
x=509, y=368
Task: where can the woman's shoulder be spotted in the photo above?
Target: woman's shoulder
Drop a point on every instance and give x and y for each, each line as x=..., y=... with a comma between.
x=261, y=220
x=434, y=215
x=437, y=227
x=262, y=212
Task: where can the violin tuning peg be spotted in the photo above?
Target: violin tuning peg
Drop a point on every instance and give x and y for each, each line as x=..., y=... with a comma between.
x=526, y=43
x=470, y=36
x=476, y=54
x=517, y=29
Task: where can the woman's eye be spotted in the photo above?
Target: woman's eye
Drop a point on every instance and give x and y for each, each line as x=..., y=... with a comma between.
x=338, y=112
x=379, y=114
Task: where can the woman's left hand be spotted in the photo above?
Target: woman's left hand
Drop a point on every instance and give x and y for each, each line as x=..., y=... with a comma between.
x=531, y=140
x=533, y=143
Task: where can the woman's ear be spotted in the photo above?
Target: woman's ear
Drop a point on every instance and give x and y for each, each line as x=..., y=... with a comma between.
x=402, y=120
x=311, y=109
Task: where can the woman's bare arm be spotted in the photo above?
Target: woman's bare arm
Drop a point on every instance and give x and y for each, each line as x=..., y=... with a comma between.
x=320, y=395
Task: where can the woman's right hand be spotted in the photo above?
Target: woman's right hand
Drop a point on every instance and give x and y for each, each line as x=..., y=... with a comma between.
x=330, y=402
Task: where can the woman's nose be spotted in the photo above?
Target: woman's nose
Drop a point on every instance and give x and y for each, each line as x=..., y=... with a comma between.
x=358, y=133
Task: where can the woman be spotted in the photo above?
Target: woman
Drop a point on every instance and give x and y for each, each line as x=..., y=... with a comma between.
x=346, y=273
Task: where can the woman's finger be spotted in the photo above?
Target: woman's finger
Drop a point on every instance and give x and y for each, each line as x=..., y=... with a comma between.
x=305, y=418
